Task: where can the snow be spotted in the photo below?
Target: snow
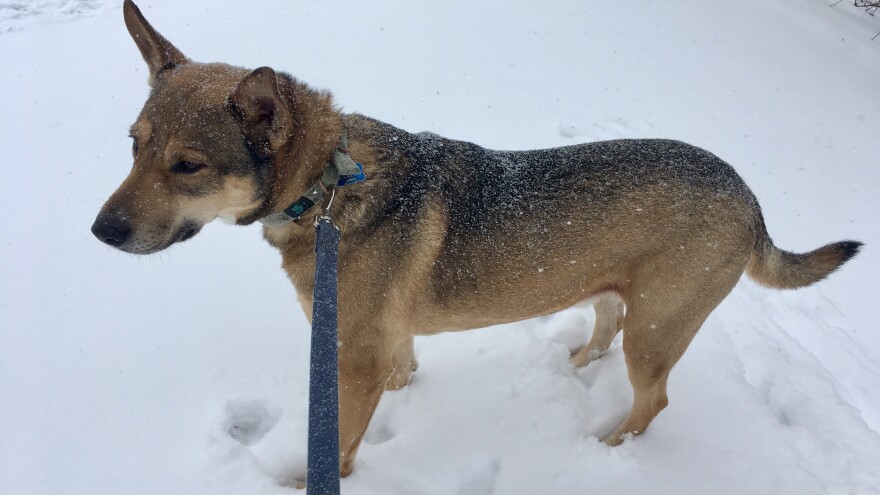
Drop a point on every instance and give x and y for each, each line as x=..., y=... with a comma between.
x=186, y=371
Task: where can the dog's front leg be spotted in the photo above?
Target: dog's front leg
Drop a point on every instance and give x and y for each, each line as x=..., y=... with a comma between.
x=363, y=371
x=403, y=365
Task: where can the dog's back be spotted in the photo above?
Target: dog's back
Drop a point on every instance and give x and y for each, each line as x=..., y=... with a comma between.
x=537, y=231
x=487, y=189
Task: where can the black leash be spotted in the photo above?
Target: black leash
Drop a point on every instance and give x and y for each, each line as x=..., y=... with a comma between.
x=323, y=450
x=322, y=477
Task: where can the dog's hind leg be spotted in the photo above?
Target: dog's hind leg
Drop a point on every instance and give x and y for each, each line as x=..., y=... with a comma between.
x=609, y=310
x=665, y=308
x=649, y=359
x=404, y=364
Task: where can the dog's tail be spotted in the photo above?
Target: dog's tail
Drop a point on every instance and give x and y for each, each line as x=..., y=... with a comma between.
x=773, y=267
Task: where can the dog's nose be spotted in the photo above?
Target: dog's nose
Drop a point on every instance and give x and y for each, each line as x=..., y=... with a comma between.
x=111, y=230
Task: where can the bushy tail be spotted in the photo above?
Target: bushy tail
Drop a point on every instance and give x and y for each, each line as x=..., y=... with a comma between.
x=773, y=267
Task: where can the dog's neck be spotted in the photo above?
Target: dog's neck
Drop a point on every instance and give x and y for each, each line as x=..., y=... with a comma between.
x=314, y=134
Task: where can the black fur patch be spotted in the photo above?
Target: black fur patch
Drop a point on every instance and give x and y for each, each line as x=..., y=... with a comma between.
x=848, y=249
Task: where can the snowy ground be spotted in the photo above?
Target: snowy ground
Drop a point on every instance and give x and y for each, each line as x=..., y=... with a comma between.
x=126, y=375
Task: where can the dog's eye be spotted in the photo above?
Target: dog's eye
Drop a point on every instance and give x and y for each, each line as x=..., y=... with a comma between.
x=186, y=167
x=134, y=146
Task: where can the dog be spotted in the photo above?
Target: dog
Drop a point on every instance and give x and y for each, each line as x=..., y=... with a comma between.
x=446, y=235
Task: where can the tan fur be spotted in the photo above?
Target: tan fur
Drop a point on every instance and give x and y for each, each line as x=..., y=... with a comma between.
x=230, y=204
x=773, y=267
x=609, y=308
x=656, y=258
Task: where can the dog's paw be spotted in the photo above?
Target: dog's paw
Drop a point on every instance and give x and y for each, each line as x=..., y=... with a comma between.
x=585, y=356
x=249, y=421
x=398, y=380
x=402, y=376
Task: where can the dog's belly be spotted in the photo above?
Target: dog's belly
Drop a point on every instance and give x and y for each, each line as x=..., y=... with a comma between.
x=539, y=264
x=521, y=281
x=470, y=314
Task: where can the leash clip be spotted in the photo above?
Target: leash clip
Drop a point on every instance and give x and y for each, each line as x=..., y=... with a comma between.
x=325, y=211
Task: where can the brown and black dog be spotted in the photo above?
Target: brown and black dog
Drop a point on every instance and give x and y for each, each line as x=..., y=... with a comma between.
x=445, y=235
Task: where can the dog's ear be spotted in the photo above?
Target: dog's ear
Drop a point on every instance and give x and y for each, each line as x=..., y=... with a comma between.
x=158, y=52
x=259, y=109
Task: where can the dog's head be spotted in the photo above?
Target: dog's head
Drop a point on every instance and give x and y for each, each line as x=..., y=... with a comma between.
x=202, y=147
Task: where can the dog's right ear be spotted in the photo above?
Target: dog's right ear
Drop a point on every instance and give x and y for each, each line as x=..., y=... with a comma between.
x=264, y=117
x=158, y=52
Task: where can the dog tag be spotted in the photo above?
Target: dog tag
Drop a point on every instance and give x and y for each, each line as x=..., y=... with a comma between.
x=350, y=172
x=345, y=180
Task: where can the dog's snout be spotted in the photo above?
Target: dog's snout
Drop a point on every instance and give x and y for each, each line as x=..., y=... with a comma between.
x=111, y=230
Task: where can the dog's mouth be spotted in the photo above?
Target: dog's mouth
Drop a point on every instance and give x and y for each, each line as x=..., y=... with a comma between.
x=149, y=245
x=187, y=231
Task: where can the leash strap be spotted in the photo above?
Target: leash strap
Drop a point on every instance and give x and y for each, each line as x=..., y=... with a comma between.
x=322, y=477
x=323, y=449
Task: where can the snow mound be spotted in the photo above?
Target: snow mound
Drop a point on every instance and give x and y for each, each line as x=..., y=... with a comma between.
x=15, y=16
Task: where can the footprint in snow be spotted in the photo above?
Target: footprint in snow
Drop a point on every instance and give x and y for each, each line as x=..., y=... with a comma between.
x=17, y=15
x=381, y=428
x=378, y=434
x=248, y=421
x=569, y=130
x=482, y=480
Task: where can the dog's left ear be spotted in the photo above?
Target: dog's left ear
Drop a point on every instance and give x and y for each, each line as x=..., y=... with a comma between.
x=263, y=115
x=158, y=52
